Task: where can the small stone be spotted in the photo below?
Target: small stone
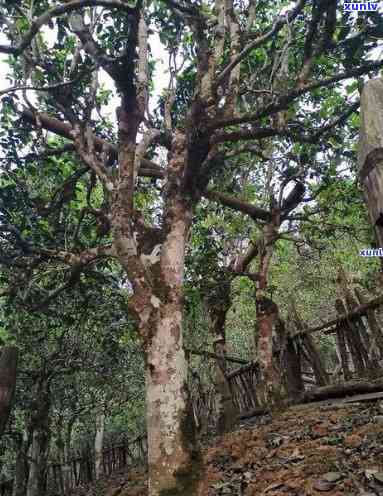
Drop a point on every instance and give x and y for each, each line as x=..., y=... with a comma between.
x=319, y=431
x=323, y=485
x=353, y=441
x=370, y=472
x=333, y=419
x=332, y=476
x=378, y=419
x=378, y=476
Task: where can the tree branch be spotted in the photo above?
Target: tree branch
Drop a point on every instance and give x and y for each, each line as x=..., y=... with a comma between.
x=58, y=11
x=284, y=100
x=245, y=134
x=240, y=206
x=277, y=26
x=148, y=168
x=51, y=87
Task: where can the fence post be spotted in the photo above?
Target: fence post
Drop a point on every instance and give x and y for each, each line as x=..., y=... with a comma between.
x=371, y=152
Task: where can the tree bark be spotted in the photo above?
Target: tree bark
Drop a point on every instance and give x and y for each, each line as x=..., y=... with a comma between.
x=21, y=466
x=353, y=341
x=8, y=370
x=225, y=409
x=309, y=348
x=269, y=389
x=173, y=468
x=158, y=305
x=67, y=469
x=376, y=332
x=292, y=366
x=341, y=343
x=321, y=376
x=99, y=443
x=371, y=152
x=218, y=303
x=39, y=428
x=360, y=331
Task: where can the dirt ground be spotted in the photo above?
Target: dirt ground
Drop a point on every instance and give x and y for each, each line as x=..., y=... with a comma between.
x=305, y=451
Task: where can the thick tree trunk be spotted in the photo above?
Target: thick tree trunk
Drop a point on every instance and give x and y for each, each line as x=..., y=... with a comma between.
x=169, y=421
x=99, y=443
x=156, y=274
x=8, y=369
x=174, y=462
x=39, y=427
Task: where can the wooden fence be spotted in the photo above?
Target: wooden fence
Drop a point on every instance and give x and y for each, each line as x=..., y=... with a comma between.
x=358, y=340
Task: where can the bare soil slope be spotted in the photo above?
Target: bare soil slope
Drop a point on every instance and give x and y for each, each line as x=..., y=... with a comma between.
x=312, y=450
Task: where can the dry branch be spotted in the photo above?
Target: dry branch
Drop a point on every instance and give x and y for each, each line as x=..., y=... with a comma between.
x=338, y=391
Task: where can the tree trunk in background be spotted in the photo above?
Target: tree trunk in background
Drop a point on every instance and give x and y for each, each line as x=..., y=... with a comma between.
x=269, y=389
x=218, y=302
x=319, y=369
x=21, y=466
x=360, y=331
x=67, y=469
x=341, y=343
x=292, y=366
x=60, y=444
x=8, y=370
x=376, y=332
x=308, y=346
x=353, y=339
x=99, y=443
x=39, y=428
x=225, y=409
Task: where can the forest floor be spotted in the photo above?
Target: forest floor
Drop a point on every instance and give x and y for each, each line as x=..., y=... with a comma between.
x=311, y=450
